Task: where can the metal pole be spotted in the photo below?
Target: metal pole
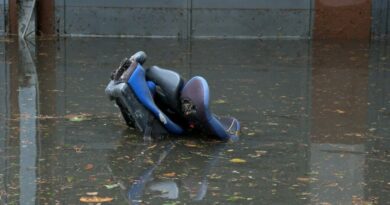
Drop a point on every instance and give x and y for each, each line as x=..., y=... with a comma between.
x=45, y=17
x=13, y=17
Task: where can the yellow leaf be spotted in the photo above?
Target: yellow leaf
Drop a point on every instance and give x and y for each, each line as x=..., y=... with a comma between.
x=95, y=199
x=307, y=179
x=169, y=174
x=78, y=117
x=334, y=184
x=303, y=179
x=189, y=144
x=238, y=160
x=219, y=101
x=153, y=146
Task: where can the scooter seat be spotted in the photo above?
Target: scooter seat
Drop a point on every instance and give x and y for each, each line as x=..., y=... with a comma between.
x=195, y=101
x=169, y=85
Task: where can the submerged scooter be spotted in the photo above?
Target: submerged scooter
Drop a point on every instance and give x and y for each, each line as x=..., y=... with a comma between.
x=158, y=102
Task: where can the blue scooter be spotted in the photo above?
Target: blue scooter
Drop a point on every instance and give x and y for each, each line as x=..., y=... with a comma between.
x=159, y=101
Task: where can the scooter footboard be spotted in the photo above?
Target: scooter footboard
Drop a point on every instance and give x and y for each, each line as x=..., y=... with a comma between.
x=134, y=113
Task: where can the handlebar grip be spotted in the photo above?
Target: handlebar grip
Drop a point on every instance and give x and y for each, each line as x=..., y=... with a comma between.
x=139, y=57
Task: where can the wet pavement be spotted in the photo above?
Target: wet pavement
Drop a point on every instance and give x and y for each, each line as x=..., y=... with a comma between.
x=315, y=124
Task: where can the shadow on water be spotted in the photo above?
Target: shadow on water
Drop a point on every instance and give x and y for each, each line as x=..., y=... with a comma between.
x=314, y=115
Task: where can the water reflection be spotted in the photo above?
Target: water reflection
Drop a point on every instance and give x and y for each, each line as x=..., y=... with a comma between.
x=378, y=121
x=151, y=170
x=314, y=114
x=28, y=99
x=339, y=110
x=340, y=130
x=21, y=97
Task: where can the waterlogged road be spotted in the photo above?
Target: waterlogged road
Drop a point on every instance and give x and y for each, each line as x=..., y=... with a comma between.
x=315, y=124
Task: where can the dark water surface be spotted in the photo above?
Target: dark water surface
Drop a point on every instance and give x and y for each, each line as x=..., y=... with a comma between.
x=315, y=124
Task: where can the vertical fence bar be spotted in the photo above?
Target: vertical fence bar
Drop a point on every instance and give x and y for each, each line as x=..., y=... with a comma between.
x=45, y=17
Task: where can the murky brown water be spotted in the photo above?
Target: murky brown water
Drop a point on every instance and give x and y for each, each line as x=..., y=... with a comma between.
x=315, y=124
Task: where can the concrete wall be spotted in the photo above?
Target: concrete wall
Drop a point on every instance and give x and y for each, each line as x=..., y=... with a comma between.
x=214, y=18
x=249, y=18
x=380, y=18
x=185, y=18
x=120, y=17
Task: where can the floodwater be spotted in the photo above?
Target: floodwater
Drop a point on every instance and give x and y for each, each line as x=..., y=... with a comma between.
x=315, y=122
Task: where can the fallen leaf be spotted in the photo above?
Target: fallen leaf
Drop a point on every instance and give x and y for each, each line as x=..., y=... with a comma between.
x=238, y=160
x=307, y=179
x=215, y=176
x=88, y=167
x=92, y=193
x=334, y=184
x=303, y=179
x=153, y=146
x=69, y=179
x=95, y=199
x=259, y=153
x=149, y=161
x=189, y=144
x=340, y=111
x=92, y=178
x=353, y=134
x=339, y=174
x=111, y=186
x=169, y=174
x=78, y=149
x=170, y=203
x=78, y=117
x=219, y=101
x=235, y=198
